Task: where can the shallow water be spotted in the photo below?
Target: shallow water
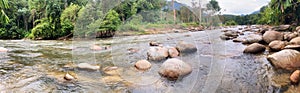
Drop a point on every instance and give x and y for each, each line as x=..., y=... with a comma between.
x=218, y=66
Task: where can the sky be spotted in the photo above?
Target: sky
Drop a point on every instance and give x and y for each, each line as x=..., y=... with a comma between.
x=235, y=7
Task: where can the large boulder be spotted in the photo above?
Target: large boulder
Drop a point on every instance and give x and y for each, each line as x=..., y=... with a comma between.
x=143, y=65
x=282, y=28
x=253, y=38
x=157, y=53
x=295, y=41
x=286, y=59
x=270, y=36
x=174, y=68
x=255, y=48
x=289, y=36
x=277, y=45
x=184, y=47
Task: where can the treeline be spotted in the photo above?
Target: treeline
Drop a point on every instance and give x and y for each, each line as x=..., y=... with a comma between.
x=275, y=13
x=52, y=19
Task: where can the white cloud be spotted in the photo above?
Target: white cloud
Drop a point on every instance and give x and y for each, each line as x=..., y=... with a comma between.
x=236, y=7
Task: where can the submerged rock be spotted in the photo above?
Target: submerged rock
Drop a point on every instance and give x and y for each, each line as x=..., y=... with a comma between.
x=286, y=59
x=157, y=53
x=174, y=68
x=255, y=48
x=184, y=47
x=277, y=45
x=88, y=66
x=69, y=77
x=111, y=70
x=223, y=37
x=143, y=65
x=295, y=76
x=173, y=52
x=270, y=36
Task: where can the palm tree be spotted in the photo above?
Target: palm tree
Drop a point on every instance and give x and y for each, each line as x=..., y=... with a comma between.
x=3, y=5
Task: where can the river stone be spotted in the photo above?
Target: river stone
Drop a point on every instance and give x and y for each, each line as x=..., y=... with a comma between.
x=231, y=34
x=173, y=52
x=295, y=76
x=111, y=70
x=282, y=28
x=184, y=47
x=295, y=41
x=253, y=38
x=157, y=53
x=223, y=37
x=277, y=45
x=152, y=43
x=143, y=65
x=174, y=68
x=296, y=47
x=69, y=77
x=270, y=36
x=289, y=36
x=286, y=59
x=96, y=47
x=2, y=49
x=255, y=48
x=88, y=66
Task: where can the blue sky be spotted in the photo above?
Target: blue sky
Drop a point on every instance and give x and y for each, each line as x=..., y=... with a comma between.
x=236, y=7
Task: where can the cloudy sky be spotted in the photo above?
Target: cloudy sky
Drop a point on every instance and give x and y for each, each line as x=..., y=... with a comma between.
x=236, y=7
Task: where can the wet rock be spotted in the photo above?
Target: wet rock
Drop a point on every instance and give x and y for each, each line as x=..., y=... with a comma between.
x=255, y=48
x=282, y=28
x=2, y=49
x=112, y=79
x=296, y=47
x=238, y=40
x=96, y=47
x=290, y=36
x=231, y=34
x=88, y=66
x=223, y=37
x=295, y=76
x=69, y=77
x=157, y=53
x=277, y=45
x=253, y=38
x=111, y=70
x=270, y=36
x=173, y=52
x=143, y=65
x=174, y=68
x=152, y=43
x=286, y=59
x=184, y=47
x=295, y=41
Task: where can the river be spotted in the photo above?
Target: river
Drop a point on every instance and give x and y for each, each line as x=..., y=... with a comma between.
x=218, y=66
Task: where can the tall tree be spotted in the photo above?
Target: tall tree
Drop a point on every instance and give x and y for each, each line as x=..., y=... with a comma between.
x=3, y=16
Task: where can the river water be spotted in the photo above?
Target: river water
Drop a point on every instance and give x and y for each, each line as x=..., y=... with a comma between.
x=218, y=66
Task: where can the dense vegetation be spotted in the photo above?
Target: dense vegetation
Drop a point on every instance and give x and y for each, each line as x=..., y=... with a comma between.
x=275, y=13
x=59, y=19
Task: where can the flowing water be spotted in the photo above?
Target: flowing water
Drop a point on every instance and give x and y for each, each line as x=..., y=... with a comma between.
x=218, y=66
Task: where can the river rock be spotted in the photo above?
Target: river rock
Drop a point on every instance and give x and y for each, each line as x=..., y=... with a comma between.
x=173, y=52
x=223, y=37
x=286, y=59
x=253, y=38
x=184, y=47
x=143, y=65
x=270, y=36
x=174, y=68
x=2, y=49
x=96, y=47
x=295, y=76
x=157, y=53
x=295, y=41
x=255, y=48
x=88, y=66
x=282, y=28
x=69, y=77
x=111, y=70
x=289, y=36
x=277, y=45
x=231, y=34
x=296, y=47
x=152, y=43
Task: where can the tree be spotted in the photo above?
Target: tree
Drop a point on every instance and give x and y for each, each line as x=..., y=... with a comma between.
x=3, y=5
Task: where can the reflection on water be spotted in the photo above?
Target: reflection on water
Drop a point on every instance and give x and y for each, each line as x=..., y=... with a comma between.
x=218, y=66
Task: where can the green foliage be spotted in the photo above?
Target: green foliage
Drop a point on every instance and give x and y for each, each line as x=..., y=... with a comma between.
x=110, y=22
x=230, y=23
x=43, y=30
x=3, y=17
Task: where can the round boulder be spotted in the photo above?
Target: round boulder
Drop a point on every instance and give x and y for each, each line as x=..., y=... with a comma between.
x=253, y=38
x=184, y=47
x=143, y=65
x=270, y=36
x=157, y=53
x=174, y=68
x=173, y=52
x=255, y=48
x=295, y=76
x=286, y=59
x=295, y=41
x=277, y=45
